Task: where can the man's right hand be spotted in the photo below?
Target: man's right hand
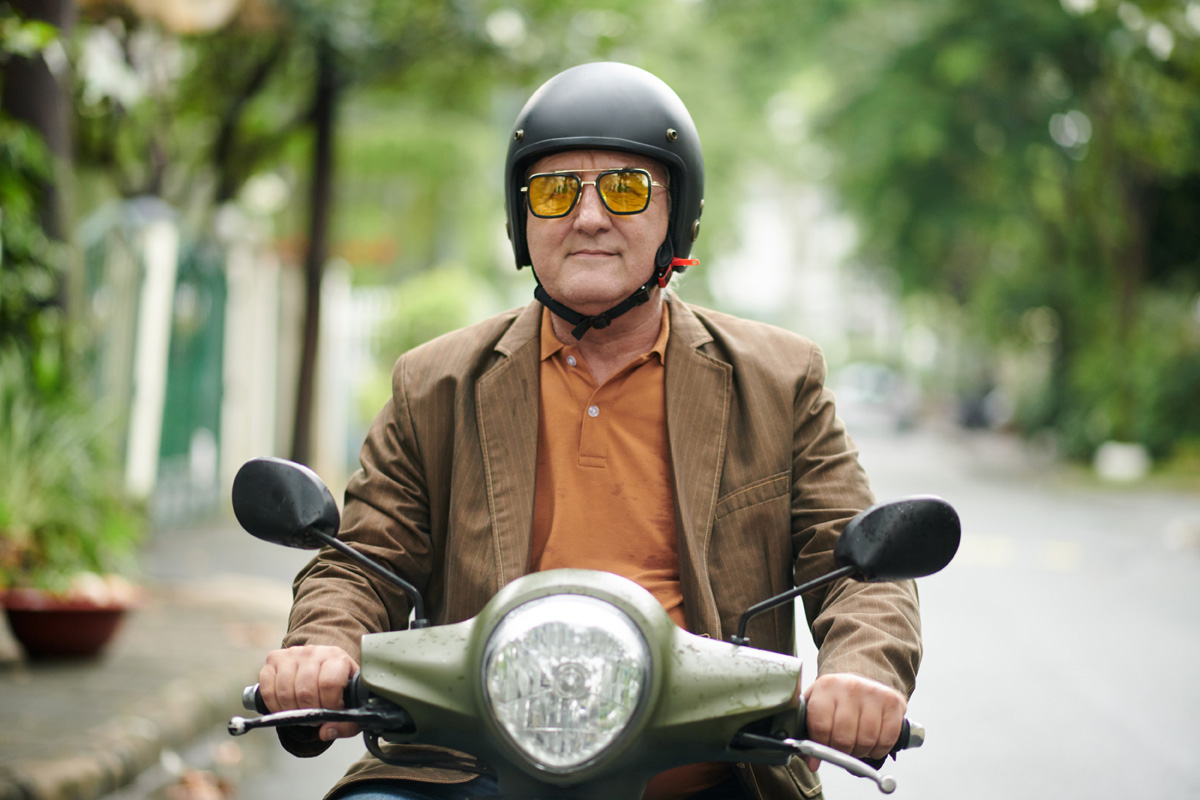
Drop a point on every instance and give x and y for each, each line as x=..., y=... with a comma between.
x=310, y=676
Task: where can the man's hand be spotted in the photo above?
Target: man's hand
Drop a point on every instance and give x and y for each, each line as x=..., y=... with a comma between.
x=855, y=715
x=312, y=676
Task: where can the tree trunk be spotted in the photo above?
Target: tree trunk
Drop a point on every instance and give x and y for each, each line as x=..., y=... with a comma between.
x=321, y=204
x=33, y=95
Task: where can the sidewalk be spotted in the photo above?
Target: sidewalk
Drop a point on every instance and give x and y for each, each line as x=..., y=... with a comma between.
x=218, y=601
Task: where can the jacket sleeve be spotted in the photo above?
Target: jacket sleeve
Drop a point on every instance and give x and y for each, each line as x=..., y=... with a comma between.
x=868, y=629
x=385, y=517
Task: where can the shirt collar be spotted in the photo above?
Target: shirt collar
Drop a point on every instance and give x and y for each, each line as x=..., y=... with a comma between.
x=551, y=345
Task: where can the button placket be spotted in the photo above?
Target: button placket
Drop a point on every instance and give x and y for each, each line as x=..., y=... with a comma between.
x=593, y=435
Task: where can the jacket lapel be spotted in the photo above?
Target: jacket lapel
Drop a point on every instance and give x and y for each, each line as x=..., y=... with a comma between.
x=698, y=390
x=506, y=407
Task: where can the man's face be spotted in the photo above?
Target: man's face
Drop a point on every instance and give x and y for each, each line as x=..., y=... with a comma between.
x=591, y=259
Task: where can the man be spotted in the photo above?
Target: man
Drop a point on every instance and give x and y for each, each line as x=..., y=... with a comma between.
x=609, y=426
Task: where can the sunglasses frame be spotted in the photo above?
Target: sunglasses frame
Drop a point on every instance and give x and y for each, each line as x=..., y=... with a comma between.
x=574, y=173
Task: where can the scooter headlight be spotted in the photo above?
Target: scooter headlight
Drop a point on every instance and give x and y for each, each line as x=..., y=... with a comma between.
x=564, y=676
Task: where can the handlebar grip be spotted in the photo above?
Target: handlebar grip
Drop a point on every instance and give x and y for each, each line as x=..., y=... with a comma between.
x=252, y=700
x=912, y=734
x=353, y=696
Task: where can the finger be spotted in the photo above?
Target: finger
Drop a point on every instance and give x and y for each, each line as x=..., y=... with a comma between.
x=338, y=730
x=891, y=724
x=306, y=685
x=819, y=716
x=881, y=720
x=334, y=673
x=266, y=685
x=844, y=734
x=870, y=724
x=285, y=680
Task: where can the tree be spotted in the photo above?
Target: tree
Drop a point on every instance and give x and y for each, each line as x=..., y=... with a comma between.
x=37, y=161
x=1031, y=156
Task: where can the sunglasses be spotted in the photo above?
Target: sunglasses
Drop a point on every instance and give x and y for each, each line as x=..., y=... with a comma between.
x=622, y=191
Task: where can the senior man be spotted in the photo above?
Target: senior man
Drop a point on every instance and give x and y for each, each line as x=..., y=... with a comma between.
x=609, y=425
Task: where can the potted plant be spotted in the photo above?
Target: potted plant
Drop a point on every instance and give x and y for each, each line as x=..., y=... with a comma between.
x=67, y=528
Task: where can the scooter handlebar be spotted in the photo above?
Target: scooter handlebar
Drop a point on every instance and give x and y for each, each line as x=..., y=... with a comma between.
x=352, y=696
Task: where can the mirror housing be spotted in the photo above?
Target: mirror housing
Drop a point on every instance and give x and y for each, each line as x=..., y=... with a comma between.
x=283, y=502
x=900, y=540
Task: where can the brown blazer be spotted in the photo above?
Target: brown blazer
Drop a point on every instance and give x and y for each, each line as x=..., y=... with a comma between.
x=764, y=476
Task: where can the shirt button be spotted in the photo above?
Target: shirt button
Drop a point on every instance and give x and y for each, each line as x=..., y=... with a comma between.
x=571, y=361
x=593, y=411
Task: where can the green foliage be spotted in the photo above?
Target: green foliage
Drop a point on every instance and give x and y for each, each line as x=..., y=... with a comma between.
x=29, y=280
x=426, y=305
x=1037, y=162
x=62, y=508
x=1030, y=157
x=22, y=37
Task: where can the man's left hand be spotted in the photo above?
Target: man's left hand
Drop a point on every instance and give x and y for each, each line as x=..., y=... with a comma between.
x=856, y=715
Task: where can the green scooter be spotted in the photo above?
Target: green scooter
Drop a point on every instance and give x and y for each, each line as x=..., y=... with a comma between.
x=576, y=683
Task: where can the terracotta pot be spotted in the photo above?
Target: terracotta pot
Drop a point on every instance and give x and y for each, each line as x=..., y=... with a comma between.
x=50, y=626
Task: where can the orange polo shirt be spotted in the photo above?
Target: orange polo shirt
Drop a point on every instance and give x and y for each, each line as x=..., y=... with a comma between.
x=603, y=498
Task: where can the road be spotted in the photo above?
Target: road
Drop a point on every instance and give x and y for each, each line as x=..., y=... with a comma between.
x=1060, y=645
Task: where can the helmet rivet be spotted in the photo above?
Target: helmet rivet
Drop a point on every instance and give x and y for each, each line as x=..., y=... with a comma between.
x=672, y=134
x=695, y=230
x=519, y=134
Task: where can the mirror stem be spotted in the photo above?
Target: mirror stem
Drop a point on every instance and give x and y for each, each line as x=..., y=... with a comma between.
x=419, y=620
x=739, y=638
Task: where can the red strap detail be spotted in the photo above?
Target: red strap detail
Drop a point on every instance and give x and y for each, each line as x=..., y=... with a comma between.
x=675, y=262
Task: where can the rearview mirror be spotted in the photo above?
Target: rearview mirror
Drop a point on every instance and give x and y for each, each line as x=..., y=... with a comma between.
x=902, y=539
x=284, y=503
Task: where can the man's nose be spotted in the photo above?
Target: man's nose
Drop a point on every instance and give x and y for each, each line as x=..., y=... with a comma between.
x=590, y=211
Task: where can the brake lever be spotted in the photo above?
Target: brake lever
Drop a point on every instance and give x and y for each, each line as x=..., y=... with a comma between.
x=809, y=749
x=886, y=783
x=375, y=716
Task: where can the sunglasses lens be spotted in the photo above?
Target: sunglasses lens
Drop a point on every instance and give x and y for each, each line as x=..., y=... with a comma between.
x=552, y=195
x=625, y=192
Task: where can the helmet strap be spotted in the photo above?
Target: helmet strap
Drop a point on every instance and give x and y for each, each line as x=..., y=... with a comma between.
x=582, y=322
x=664, y=264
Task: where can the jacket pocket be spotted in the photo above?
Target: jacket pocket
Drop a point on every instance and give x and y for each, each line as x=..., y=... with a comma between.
x=749, y=558
x=758, y=492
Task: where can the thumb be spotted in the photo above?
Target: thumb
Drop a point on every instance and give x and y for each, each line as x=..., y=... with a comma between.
x=338, y=730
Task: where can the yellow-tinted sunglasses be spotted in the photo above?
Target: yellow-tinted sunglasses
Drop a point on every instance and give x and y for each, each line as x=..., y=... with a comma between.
x=623, y=191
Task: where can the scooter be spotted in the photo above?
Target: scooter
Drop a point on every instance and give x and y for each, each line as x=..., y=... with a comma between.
x=576, y=683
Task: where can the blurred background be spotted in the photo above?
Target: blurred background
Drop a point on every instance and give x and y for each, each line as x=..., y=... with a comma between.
x=222, y=220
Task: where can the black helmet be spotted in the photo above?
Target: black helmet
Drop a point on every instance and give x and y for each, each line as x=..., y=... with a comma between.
x=609, y=106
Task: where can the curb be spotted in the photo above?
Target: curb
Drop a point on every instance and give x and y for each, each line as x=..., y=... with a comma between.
x=121, y=750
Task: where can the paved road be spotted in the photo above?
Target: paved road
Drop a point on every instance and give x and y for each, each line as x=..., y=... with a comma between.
x=1060, y=644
